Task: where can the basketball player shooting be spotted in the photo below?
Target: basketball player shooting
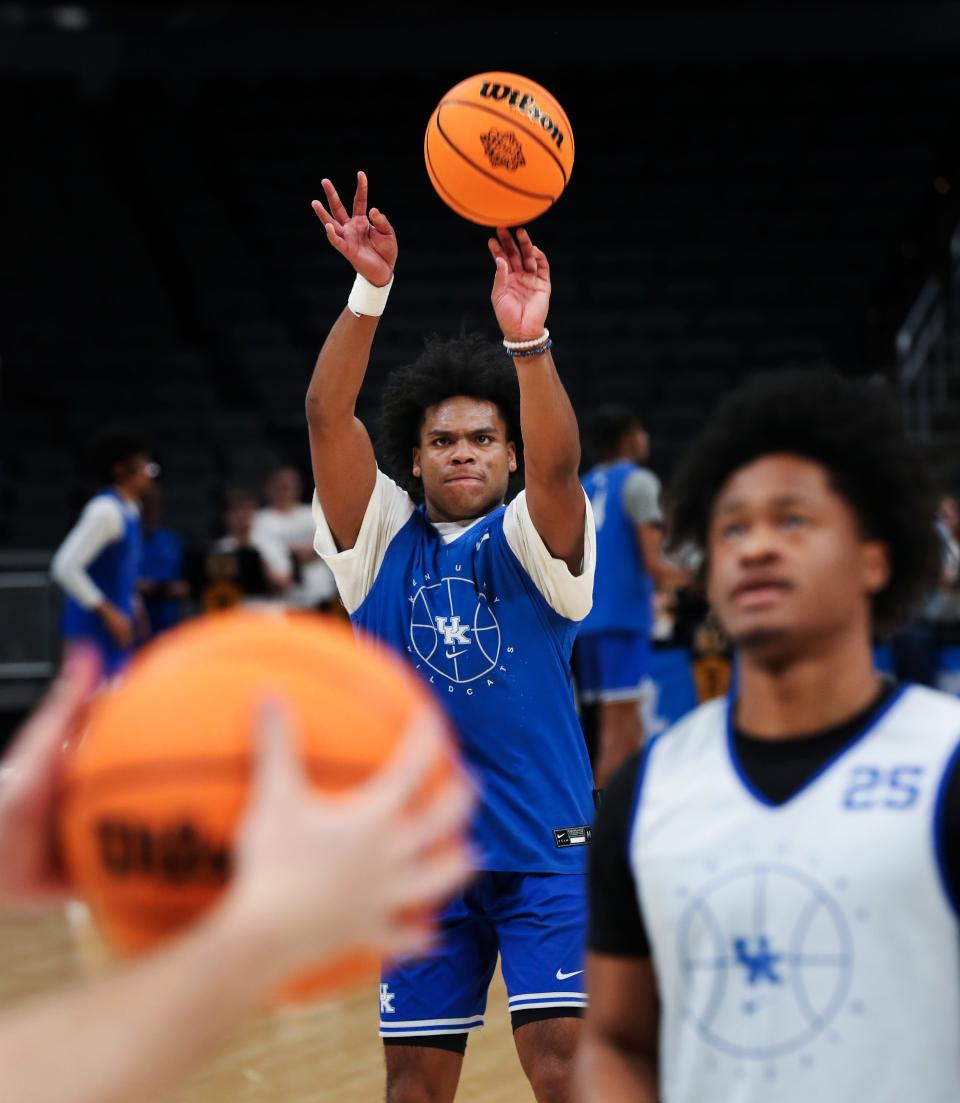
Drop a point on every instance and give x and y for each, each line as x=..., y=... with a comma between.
x=774, y=881
x=483, y=599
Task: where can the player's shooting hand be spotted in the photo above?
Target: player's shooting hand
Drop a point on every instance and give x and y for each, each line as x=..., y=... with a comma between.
x=521, y=286
x=326, y=874
x=30, y=872
x=367, y=241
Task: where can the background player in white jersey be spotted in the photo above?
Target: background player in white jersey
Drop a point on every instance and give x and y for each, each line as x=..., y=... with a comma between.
x=288, y=521
x=774, y=881
x=98, y=562
x=611, y=656
x=484, y=600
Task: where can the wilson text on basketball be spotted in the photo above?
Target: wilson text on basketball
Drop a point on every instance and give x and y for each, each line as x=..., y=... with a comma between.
x=525, y=104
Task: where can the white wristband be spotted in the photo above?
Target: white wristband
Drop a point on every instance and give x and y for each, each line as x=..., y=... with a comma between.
x=366, y=298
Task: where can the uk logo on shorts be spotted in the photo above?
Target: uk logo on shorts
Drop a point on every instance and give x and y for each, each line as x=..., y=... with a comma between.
x=454, y=631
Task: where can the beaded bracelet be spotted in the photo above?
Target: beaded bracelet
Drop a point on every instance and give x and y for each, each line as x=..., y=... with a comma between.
x=539, y=350
x=512, y=346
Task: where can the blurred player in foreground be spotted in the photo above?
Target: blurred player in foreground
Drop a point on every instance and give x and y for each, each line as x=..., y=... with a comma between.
x=775, y=880
x=611, y=656
x=313, y=877
x=483, y=599
x=97, y=564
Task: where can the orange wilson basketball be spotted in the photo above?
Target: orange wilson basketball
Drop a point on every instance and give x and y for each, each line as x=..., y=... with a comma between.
x=158, y=780
x=499, y=149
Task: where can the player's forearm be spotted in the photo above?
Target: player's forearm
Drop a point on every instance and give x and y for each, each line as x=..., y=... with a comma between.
x=606, y=1073
x=551, y=438
x=76, y=583
x=136, y=1033
x=339, y=371
x=69, y=565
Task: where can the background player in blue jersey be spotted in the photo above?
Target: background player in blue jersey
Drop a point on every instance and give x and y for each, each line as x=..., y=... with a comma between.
x=161, y=579
x=97, y=563
x=775, y=880
x=483, y=599
x=611, y=656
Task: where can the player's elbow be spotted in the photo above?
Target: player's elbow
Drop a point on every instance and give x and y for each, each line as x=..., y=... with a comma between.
x=58, y=568
x=326, y=418
x=315, y=411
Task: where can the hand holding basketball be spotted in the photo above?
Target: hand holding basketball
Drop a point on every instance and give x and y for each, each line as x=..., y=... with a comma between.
x=521, y=286
x=367, y=241
x=318, y=875
x=149, y=826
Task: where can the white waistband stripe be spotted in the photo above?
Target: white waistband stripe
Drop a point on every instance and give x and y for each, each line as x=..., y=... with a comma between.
x=425, y=1031
x=554, y=1003
x=546, y=996
x=432, y=1022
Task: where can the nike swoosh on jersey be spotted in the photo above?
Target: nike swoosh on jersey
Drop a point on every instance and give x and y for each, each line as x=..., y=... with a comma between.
x=454, y=654
x=567, y=976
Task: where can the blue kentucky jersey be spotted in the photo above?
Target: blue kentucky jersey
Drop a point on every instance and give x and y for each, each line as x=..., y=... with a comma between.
x=114, y=572
x=161, y=561
x=622, y=588
x=471, y=620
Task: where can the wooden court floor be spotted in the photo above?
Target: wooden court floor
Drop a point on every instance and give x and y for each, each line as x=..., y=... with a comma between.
x=319, y=1054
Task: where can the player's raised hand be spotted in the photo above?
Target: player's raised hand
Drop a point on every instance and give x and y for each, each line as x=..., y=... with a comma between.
x=366, y=240
x=521, y=286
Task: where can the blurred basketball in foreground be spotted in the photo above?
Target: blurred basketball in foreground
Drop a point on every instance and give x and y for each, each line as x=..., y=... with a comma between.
x=498, y=149
x=156, y=785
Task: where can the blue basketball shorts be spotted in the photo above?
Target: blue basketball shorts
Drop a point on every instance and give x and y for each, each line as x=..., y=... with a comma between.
x=537, y=922
x=611, y=666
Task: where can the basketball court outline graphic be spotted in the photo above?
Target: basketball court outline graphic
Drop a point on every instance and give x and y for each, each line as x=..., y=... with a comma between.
x=802, y=961
x=454, y=630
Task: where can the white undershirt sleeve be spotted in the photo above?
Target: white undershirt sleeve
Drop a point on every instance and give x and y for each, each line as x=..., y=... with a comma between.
x=101, y=523
x=568, y=594
x=355, y=569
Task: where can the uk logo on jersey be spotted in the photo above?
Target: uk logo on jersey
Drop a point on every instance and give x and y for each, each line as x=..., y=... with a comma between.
x=454, y=631
x=786, y=960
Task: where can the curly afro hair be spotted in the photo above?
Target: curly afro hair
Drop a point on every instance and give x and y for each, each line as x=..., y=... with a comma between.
x=850, y=426
x=470, y=365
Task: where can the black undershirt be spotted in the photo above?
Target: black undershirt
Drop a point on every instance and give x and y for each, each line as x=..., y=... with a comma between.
x=777, y=768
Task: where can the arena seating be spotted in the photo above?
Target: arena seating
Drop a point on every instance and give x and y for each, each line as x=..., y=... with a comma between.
x=167, y=269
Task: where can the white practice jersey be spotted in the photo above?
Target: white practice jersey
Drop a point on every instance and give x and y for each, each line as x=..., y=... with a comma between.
x=805, y=952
